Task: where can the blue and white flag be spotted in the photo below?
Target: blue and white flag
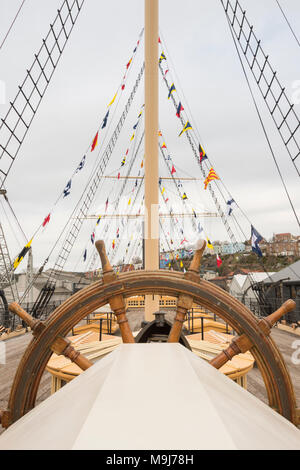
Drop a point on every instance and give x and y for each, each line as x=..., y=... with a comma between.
x=67, y=188
x=230, y=206
x=105, y=120
x=81, y=164
x=256, y=238
x=200, y=229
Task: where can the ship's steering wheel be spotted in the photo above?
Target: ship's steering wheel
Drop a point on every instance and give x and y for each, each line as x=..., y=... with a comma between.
x=189, y=288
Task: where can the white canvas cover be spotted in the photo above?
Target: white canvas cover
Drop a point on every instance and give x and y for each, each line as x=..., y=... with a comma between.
x=151, y=396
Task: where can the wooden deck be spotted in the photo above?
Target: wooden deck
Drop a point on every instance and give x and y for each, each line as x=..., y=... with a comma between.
x=16, y=346
x=284, y=341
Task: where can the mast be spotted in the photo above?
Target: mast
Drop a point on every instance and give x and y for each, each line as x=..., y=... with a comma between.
x=151, y=233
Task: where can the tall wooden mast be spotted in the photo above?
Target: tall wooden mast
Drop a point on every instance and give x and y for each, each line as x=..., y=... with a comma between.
x=151, y=233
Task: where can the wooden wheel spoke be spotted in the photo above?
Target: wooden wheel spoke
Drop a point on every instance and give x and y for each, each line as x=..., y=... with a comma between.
x=117, y=302
x=64, y=346
x=61, y=346
x=185, y=302
x=242, y=344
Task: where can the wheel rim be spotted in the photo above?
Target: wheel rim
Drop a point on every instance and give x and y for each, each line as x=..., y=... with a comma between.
x=69, y=313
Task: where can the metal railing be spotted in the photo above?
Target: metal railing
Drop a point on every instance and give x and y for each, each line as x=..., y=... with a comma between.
x=262, y=309
x=203, y=314
x=110, y=318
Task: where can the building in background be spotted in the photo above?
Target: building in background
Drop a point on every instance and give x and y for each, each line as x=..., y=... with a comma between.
x=281, y=286
x=284, y=244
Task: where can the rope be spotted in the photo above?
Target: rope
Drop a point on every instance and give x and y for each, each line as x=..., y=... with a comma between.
x=289, y=24
x=263, y=126
x=11, y=26
x=16, y=218
x=11, y=228
x=195, y=131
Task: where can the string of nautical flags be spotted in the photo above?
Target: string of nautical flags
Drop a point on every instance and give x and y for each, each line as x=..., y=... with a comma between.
x=211, y=174
x=117, y=241
x=131, y=200
x=130, y=203
x=126, y=153
x=182, y=193
x=91, y=148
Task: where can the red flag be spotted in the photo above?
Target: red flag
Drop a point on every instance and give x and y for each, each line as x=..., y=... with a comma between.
x=166, y=71
x=219, y=261
x=47, y=220
x=163, y=146
x=95, y=142
x=179, y=109
x=118, y=176
x=159, y=40
x=127, y=66
x=123, y=86
x=173, y=170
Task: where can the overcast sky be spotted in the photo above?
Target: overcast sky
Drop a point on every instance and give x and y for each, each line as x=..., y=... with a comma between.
x=209, y=82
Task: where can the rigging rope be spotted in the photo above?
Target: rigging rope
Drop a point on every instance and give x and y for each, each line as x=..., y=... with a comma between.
x=289, y=24
x=278, y=103
x=18, y=119
x=13, y=22
x=263, y=126
x=88, y=196
x=194, y=145
x=93, y=258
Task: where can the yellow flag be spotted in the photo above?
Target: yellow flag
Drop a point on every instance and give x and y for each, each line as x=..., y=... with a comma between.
x=132, y=137
x=209, y=244
x=22, y=254
x=113, y=100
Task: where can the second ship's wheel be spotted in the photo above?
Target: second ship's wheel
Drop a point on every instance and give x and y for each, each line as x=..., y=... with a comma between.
x=49, y=336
